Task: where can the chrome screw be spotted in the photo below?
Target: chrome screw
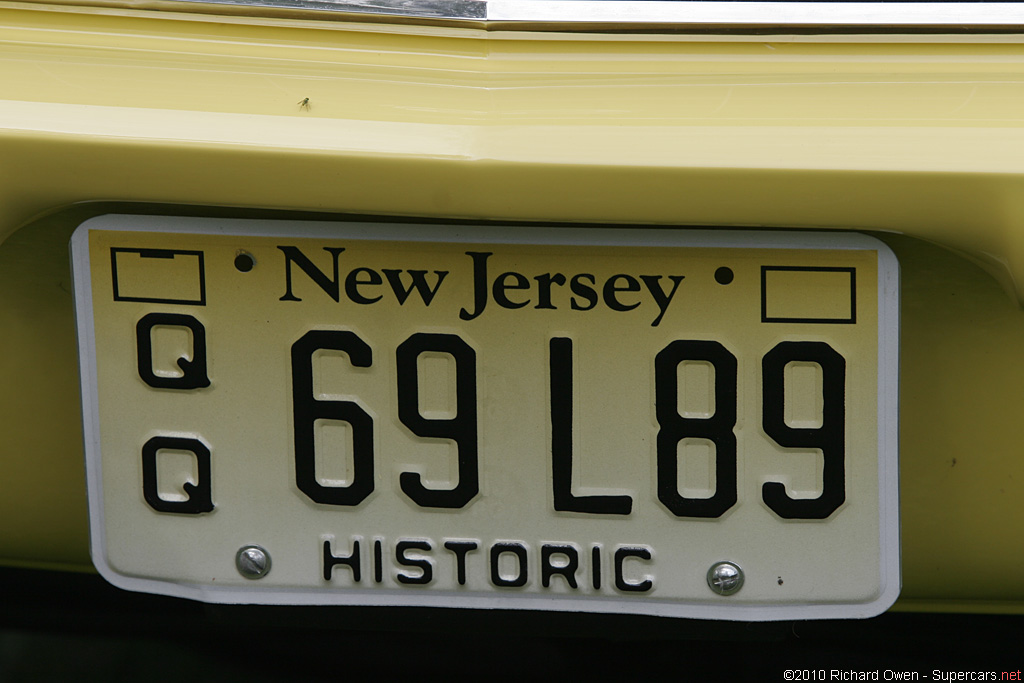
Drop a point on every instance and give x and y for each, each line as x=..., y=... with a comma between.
x=252, y=561
x=725, y=578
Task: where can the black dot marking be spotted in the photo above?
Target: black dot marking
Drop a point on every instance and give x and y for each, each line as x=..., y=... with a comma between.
x=724, y=275
x=244, y=262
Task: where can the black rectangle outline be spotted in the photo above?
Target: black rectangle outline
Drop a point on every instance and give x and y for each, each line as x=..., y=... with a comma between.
x=852, y=320
x=159, y=253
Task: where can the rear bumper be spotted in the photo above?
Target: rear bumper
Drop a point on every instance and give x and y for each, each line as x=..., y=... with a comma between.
x=916, y=139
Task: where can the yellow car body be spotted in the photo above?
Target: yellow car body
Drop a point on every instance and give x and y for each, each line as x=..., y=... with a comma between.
x=915, y=137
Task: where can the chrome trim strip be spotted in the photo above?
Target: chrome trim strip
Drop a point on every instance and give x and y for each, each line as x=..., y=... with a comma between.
x=474, y=10
x=761, y=13
x=696, y=13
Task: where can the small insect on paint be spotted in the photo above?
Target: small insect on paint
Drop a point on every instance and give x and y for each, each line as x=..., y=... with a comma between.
x=304, y=103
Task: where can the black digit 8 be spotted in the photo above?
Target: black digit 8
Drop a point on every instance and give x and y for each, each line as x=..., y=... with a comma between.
x=674, y=427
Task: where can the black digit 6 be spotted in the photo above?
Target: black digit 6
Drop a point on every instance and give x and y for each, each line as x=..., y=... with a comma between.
x=307, y=410
x=718, y=428
x=462, y=429
x=829, y=438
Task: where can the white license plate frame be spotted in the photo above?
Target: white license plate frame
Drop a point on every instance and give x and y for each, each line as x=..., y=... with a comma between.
x=615, y=573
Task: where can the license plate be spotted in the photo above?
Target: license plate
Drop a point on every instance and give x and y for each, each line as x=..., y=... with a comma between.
x=666, y=422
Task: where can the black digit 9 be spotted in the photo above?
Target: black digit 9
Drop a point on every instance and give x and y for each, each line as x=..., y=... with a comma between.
x=830, y=437
x=307, y=410
x=462, y=429
x=674, y=427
